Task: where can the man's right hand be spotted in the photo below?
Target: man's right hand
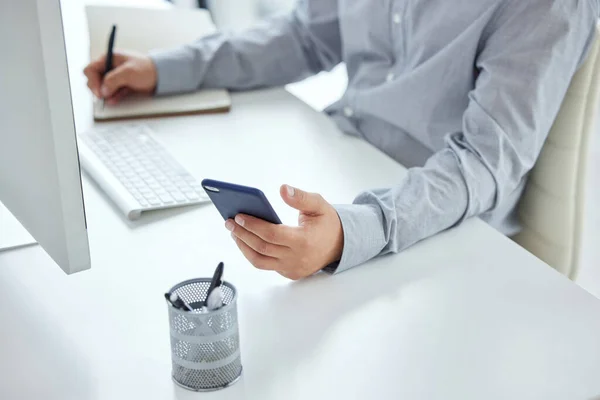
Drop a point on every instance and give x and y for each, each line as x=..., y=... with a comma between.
x=131, y=73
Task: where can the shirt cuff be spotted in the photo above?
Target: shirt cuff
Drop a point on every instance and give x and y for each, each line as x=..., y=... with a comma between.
x=363, y=235
x=174, y=71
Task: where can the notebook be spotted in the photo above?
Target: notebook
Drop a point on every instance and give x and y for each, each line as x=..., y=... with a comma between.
x=142, y=30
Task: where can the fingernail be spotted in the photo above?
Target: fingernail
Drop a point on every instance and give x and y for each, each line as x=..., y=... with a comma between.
x=290, y=190
x=104, y=91
x=229, y=225
x=96, y=93
x=240, y=221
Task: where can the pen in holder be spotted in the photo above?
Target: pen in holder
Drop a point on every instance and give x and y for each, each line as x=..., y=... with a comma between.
x=205, y=345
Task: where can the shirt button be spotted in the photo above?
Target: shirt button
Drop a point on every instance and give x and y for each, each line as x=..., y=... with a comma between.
x=390, y=77
x=348, y=112
x=396, y=18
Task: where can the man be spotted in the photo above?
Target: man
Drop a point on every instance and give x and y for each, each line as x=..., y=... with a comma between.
x=463, y=92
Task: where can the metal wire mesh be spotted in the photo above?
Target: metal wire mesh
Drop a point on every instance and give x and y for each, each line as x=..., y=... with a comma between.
x=205, y=347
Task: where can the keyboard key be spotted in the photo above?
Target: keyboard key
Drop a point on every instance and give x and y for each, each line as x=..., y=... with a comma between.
x=151, y=196
x=192, y=195
x=180, y=198
x=166, y=198
x=153, y=200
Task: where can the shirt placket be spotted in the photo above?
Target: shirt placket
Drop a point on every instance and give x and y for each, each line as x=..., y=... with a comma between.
x=396, y=35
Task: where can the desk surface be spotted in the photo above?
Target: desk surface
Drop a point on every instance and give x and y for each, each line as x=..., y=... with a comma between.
x=464, y=315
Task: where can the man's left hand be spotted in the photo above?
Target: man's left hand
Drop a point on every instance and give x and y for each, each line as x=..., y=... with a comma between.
x=294, y=252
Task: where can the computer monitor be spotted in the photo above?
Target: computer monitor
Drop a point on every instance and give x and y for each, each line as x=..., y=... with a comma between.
x=40, y=180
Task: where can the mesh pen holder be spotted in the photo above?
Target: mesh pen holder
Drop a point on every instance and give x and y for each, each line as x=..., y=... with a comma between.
x=205, y=347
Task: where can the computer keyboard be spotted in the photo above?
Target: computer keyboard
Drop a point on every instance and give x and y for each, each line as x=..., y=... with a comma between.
x=135, y=171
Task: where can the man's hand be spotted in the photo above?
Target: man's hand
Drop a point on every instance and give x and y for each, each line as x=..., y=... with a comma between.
x=294, y=252
x=131, y=73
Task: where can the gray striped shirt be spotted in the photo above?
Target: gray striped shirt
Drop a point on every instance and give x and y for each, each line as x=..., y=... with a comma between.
x=463, y=92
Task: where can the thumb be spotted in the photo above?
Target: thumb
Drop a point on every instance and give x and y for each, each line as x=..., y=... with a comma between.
x=309, y=203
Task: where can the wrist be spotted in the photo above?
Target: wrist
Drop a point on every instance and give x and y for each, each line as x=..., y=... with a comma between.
x=173, y=71
x=153, y=76
x=338, y=242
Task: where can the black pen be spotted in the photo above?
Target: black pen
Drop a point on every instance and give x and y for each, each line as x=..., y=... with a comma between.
x=109, y=54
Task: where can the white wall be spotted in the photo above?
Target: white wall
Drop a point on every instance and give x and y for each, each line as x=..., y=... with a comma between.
x=235, y=15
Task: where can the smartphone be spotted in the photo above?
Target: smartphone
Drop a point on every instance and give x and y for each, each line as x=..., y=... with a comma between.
x=231, y=200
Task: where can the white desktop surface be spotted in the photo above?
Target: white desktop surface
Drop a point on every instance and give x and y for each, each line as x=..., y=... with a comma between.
x=464, y=315
x=12, y=233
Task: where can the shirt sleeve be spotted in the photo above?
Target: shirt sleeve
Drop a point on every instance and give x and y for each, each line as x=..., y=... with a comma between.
x=528, y=57
x=281, y=50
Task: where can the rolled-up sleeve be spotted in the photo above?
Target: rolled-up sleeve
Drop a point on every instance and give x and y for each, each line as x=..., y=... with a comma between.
x=529, y=55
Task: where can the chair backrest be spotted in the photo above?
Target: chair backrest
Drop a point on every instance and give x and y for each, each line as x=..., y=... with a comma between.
x=551, y=209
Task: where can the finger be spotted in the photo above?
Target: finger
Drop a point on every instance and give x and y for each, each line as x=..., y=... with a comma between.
x=115, y=80
x=93, y=72
x=99, y=64
x=94, y=86
x=258, y=260
x=120, y=95
x=256, y=243
x=272, y=233
x=309, y=203
x=96, y=65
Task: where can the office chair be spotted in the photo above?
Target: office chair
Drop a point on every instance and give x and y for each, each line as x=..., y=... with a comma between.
x=552, y=207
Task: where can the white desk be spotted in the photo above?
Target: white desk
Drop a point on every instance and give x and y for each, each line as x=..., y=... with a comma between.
x=464, y=315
